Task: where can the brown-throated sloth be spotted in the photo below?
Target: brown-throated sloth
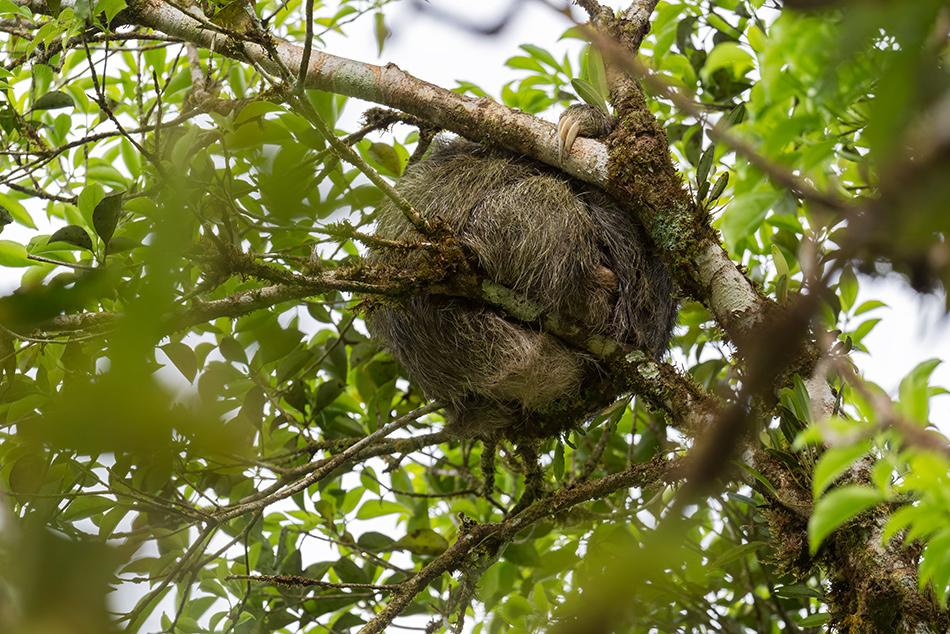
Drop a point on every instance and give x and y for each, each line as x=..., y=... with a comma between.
x=555, y=240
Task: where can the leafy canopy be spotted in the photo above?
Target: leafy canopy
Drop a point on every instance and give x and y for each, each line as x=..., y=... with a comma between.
x=186, y=375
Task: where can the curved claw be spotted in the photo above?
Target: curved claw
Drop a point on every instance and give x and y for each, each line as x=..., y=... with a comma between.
x=567, y=131
x=581, y=120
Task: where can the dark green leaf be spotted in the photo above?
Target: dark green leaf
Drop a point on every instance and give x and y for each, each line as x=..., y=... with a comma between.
x=183, y=357
x=53, y=101
x=105, y=216
x=74, y=235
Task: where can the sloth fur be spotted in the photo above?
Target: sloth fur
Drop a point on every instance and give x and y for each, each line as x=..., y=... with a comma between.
x=555, y=240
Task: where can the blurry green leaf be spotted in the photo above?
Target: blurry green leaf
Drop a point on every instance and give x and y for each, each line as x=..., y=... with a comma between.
x=744, y=214
x=900, y=520
x=231, y=350
x=734, y=554
x=758, y=476
x=719, y=187
x=183, y=357
x=423, y=541
x=914, y=393
x=380, y=31
x=514, y=608
x=798, y=591
x=254, y=110
x=836, y=508
x=832, y=464
x=727, y=55
x=87, y=506
x=386, y=156
x=540, y=54
x=523, y=555
x=13, y=254
x=847, y=288
x=26, y=475
x=53, y=101
x=110, y=8
x=803, y=406
x=705, y=163
x=815, y=620
x=868, y=306
x=15, y=208
x=349, y=572
x=781, y=266
x=376, y=541
x=368, y=479
x=557, y=464
x=935, y=565
x=119, y=244
x=378, y=508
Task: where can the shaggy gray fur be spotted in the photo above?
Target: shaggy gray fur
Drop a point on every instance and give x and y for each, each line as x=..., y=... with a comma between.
x=558, y=242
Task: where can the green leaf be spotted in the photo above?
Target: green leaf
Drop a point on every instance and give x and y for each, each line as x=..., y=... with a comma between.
x=380, y=31
x=183, y=357
x=744, y=499
x=369, y=480
x=232, y=351
x=781, y=266
x=758, y=476
x=899, y=520
x=378, y=508
x=734, y=554
x=540, y=54
x=119, y=244
x=914, y=391
x=798, y=591
x=719, y=187
x=375, y=541
x=814, y=620
x=13, y=254
x=514, y=608
x=87, y=506
x=838, y=507
x=423, y=541
x=744, y=214
x=54, y=101
x=110, y=8
x=74, y=235
x=14, y=208
x=89, y=198
x=589, y=94
x=935, y=565
x=802, y=401
x=387, y=156
x=832, y=464
x=349, y=572
x=705, y=163
x=596, y=72
x=727, y=55
x=105, y=216
x=869, y=306
x=557, y=463
x=847, y=288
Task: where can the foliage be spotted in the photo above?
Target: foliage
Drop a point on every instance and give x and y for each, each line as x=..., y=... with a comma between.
x=186, y=376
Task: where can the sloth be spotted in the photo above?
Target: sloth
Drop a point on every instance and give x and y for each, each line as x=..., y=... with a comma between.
x=561, y=243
